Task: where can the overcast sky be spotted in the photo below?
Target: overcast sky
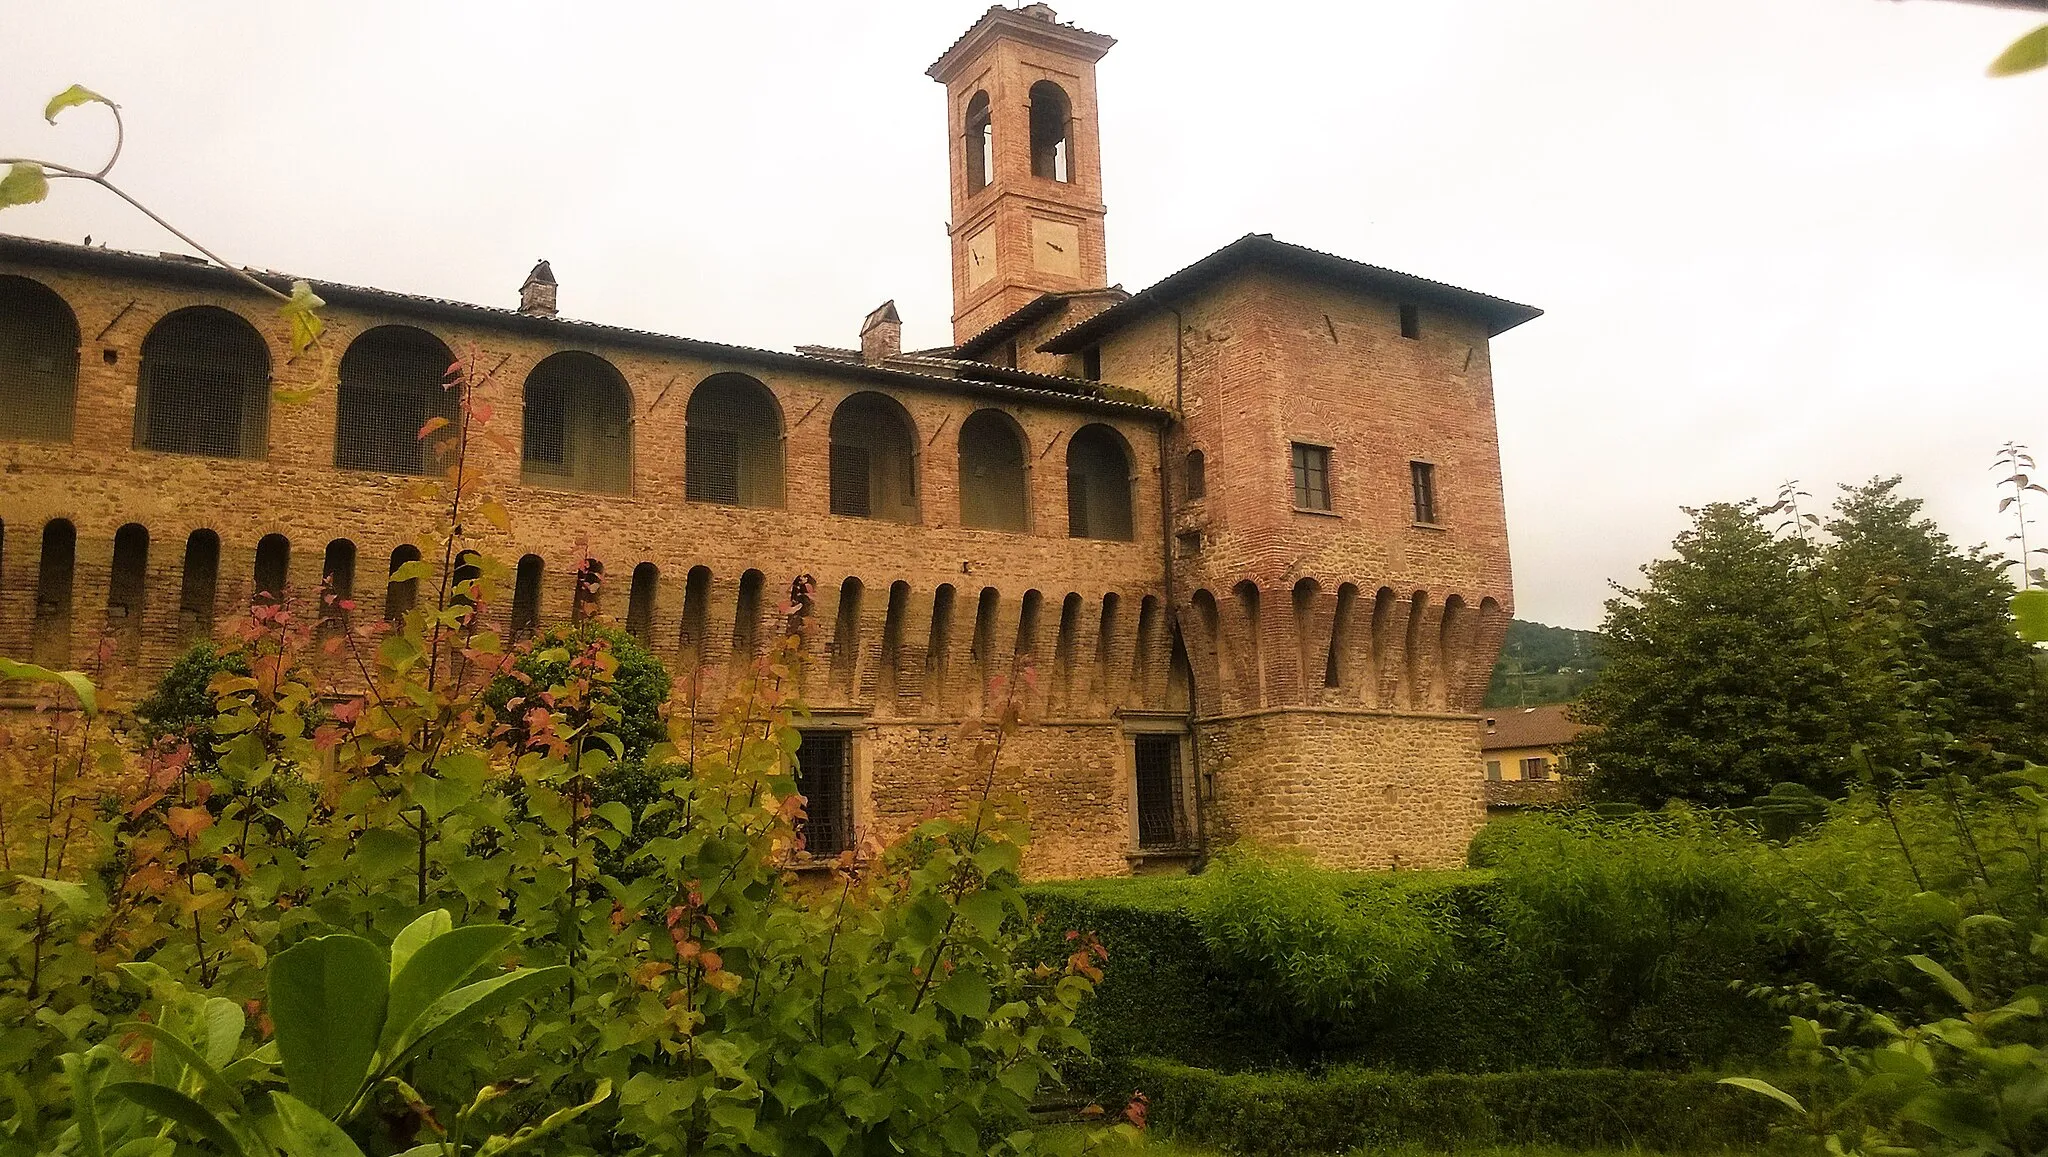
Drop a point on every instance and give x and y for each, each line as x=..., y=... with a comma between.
x=1775, y=238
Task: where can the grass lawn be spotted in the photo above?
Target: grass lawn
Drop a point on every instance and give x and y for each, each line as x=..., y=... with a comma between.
x=1163, y=1147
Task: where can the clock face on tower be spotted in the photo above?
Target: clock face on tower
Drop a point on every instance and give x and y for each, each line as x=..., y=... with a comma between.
x=981, y=258
x=1056, y=247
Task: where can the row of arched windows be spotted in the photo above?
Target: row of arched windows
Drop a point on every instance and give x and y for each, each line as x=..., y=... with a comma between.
x=204, y=388
x=1051, y=118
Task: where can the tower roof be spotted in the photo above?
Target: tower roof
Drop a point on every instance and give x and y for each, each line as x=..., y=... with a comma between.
x=1033, y=22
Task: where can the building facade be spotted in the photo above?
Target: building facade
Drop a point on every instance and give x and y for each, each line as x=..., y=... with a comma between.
x=1245, y=524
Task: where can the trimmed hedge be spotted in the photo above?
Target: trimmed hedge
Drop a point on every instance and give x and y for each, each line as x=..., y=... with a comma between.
x=1348, y=1108
x=1491, y=1007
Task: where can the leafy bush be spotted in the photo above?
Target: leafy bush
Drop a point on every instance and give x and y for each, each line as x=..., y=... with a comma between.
x=181, y=705
x=636, y=685
x=1294, y=1113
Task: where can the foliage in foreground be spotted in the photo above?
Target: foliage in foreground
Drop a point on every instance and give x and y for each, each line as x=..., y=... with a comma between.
x=713, y=988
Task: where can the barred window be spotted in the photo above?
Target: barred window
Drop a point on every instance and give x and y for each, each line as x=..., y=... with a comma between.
x=38, y=362
x=993, y=493
x=1311, y=477
x=1162, y=821
x=1422, y=475
x=205, y=386
x=1098, y=485
x=578, y=423
x=824, y=777
x=393, y=379
x=873, y=459
x=732, y=443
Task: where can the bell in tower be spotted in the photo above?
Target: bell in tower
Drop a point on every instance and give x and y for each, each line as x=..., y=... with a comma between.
x=1026, y=163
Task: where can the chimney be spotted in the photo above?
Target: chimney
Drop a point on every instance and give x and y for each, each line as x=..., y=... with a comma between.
x=537, y=296
x=881, y=333
x=1040, y=12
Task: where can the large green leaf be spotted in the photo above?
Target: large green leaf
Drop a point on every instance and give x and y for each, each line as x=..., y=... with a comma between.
x=309, y=1134
x=72, y=97
x=24, y=184
x=433, y=971
x=2026, y=54
x=327, y=1002
x=2030, y=615
x=1767, y=1089
x=1946, y=979
x=87, y=1072
x=471, y=1003
x=168, y=1102
x=553, y=1121
x=416, y=934
x=80, y=685
x=177, y=1046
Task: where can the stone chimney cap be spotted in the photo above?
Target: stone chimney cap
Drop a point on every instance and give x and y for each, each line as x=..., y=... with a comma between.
x=883, y=314
x=542, y=273
x=1040, y=12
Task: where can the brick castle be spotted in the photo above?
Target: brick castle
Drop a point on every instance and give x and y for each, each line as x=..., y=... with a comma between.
x=1246, y=522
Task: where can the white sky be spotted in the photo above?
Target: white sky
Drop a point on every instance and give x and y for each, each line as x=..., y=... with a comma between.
x=1775, y=238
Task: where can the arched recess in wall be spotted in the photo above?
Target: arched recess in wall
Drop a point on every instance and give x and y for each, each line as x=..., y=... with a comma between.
x=1340, y=665
x=1250, y=674
x=696, y=616
x=846, y=638
x=978, y=133
x=127, y=585
x=337, y=581
x=526, y=579
x=402, y=584
x=204, y=386
x=732, y=443
x=994, y=490
x=1098, y=484
x=873, y=462
x=938, y=648
x=1208, y=647
x=577, y=421
x=56, y=571
x=640, y=601
x=1311, y=650
x=746, y=619
x=198, y=586
x=1384, y=676
x=273, y=567
x=589, y=591
x=1453, y=645
x=392, y=380
x=38, y=362
x=1052, y=153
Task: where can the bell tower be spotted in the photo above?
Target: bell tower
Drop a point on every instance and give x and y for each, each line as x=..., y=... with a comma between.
x=1026, y=163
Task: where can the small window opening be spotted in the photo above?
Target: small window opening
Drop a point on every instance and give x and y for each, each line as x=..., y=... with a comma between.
x=1162, y=822
x=1422, y=476
x=824, y=775
x=1411, y=322
x=401, y=595
x=200, y=582
x=126, y=587
x=1196, y=475
x=1190, y=542
x=273, y=564
x=1536, y=767
x=55, y=570
x=1051, y=115
x=1493, y=769
x=640, y=601
x=1311, y=477
x=589, y=591
x=526, y=596
x=1091, y=363
x=980, y=135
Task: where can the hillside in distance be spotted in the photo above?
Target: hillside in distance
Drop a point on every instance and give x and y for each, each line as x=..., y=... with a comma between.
x=1543, y=664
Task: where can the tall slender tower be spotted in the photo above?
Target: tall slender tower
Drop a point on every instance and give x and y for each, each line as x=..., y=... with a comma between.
x=1026, y=163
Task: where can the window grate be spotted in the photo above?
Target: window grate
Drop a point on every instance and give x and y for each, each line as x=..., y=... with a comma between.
x=1423, y=477
x=711, y=465
x=1311, y=477
x=392, y=381
x=823, y=778
x=205, y=386
x=1161, y=822
x=851, y=488
x=38, y=363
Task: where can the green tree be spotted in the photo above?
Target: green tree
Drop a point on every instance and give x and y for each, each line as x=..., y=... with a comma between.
x=1718, y=683
x=1930, y=646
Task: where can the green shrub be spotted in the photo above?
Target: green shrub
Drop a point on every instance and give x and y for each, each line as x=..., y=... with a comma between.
x=181, y=707
x=637, y=688
x=1346, y=1108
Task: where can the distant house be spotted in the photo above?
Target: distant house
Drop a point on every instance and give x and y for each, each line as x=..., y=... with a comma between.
x=1522, y=751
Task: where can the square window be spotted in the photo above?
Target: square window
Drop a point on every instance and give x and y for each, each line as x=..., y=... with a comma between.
x=1493, y=769
x=1423, y=477
x=824, y=777
x=1311, y=477
x=1162, y=817
x=1536, y=767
